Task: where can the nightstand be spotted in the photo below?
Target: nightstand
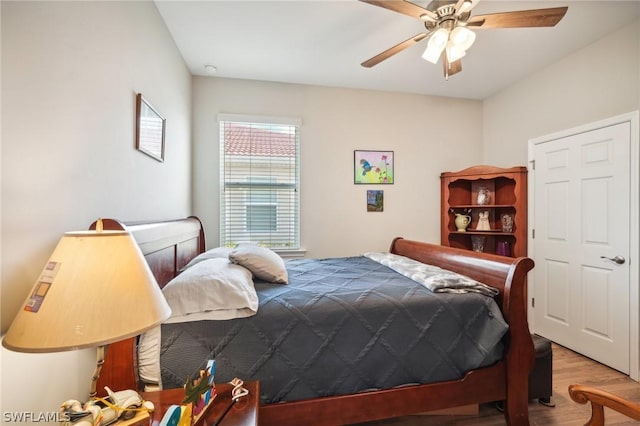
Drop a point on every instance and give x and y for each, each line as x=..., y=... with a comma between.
x=242, y=413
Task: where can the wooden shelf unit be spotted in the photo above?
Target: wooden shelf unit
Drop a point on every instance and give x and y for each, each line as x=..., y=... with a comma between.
x=507, y=195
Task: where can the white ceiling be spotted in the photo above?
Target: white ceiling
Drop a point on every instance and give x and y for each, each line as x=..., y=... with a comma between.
x=323, y=42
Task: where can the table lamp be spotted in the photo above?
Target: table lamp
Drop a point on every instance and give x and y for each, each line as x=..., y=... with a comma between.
x=95, y=289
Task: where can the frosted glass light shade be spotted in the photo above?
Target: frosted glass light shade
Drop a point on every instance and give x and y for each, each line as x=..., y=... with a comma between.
x=462, y=38
x=454, y=52
x=437, y=43
x=95, y=289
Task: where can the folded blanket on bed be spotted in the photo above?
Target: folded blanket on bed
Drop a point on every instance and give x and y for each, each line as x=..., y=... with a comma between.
x=436, y=279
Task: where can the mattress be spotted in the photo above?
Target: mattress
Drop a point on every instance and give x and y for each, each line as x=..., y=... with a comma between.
x=340, y=326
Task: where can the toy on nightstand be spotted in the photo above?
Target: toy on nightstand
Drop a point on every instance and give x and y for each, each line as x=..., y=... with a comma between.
x=126, y=405
x=199, y=394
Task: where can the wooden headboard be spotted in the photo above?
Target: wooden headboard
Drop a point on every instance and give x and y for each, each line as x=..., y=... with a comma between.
x=167, y=246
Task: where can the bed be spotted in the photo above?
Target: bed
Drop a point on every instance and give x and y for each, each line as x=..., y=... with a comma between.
x=169, y=246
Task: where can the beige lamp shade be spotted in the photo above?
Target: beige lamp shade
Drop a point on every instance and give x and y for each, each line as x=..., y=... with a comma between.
x=95, y=289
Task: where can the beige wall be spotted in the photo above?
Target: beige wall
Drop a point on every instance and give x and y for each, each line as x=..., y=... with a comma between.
x=70, y=73
x=594, y=83
x=424, y=133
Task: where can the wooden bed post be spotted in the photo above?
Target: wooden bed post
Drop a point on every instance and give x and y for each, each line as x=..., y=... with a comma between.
x=520, y=352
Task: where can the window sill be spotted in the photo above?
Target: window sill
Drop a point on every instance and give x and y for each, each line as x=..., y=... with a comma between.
x=291, y=254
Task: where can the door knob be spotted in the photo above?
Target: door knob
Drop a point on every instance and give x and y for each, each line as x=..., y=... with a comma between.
x=617, y=259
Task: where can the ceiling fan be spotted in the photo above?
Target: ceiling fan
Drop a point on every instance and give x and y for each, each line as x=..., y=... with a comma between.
x=448, y=28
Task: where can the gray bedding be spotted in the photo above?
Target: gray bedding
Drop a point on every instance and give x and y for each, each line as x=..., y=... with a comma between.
x=341, y=326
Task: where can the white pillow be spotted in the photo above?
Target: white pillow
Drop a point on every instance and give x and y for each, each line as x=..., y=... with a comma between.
x=265, y=264
x=212, y=285
x=214, y=253
x=149, y=356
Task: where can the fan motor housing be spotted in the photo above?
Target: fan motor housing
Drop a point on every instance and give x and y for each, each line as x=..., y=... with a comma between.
x=446, y=16
x=446, y=10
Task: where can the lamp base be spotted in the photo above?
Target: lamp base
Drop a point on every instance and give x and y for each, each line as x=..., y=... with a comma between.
x=140, y=419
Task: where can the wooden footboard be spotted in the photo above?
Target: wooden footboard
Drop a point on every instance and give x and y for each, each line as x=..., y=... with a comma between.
x=168, y=246
x=507, y=380
x=509, y=276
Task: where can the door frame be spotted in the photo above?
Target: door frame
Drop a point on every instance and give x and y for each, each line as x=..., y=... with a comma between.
x=633, y=119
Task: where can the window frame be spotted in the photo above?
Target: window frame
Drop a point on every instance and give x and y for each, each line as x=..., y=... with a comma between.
x=264, y=181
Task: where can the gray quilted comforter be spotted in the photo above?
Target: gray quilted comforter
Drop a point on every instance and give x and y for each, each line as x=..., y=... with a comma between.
x=341, y=326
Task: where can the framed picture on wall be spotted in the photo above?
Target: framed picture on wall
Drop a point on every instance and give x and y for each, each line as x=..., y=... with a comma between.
x=150, y=128
x=373, y=167
x=375, y=200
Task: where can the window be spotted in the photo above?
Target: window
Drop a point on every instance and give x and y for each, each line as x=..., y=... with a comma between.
x=261, y=207
x=259, y=178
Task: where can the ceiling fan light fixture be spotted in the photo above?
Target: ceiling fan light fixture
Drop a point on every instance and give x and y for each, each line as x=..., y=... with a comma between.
x=431, y=54
x=437, y=43
x=454, y=52
x=448, y=22
x=462, y=37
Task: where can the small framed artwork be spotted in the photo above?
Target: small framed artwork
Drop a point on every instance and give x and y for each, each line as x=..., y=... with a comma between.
x=150, y=128
x=375, y=200
x=373, y=167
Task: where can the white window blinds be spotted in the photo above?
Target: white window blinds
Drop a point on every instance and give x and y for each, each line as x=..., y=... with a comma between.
x=259, y=177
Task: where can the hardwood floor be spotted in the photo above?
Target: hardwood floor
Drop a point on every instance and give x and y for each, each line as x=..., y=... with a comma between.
x=568, y=368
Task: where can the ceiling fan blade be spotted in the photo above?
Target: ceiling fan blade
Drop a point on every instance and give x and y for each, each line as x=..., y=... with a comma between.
x=450, y=68
x=392, y=51
x=404, y=7
x=519, y=19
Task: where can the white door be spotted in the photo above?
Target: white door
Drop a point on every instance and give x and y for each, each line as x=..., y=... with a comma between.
x=582, y=244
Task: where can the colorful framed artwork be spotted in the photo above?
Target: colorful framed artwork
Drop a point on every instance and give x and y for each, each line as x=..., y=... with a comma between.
x=375, y=200
x=373, y=167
